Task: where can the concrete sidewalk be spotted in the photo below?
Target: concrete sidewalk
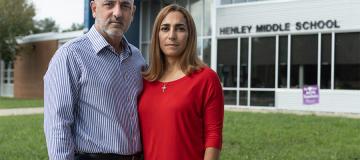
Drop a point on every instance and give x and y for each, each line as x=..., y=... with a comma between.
x=21, y=111
x=296, y=112
x=40, y=110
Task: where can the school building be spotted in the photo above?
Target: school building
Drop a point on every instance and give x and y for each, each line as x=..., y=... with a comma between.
x=271, y=54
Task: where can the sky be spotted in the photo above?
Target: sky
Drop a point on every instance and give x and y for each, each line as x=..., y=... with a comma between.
x=64, y=12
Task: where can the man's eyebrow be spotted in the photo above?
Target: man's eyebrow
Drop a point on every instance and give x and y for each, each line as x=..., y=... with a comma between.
x=126, y=2
x=115, y=0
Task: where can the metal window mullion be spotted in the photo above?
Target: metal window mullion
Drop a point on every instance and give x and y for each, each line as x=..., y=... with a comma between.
x=202, y=21
x=202, y=18
x=276, y=61
x=332, y=60
x=141, y=27
x=276, y=66
x=319, y=61
x=238, y=72
x=213, y=54
x=288, y=62
x=249, y=71
x=188, y=5
x=202, y=48
x=149, y=20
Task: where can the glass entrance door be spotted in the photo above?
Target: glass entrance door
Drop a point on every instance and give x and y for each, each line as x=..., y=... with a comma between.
x=7, y=79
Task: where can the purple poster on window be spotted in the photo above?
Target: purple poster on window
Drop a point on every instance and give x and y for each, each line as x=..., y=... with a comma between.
x=311, y=95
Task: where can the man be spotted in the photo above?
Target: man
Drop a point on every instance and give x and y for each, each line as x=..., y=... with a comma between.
x=91, y=90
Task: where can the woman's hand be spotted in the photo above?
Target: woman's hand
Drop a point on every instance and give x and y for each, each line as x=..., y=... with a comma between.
x=212, y=154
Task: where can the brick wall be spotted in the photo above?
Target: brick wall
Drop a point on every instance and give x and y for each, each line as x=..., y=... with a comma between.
x=30, y=67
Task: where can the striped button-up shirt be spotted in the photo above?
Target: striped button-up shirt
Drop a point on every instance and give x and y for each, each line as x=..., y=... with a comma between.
x=91, y=98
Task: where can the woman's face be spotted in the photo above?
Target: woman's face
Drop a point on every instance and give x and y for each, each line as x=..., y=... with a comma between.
x=173, y=34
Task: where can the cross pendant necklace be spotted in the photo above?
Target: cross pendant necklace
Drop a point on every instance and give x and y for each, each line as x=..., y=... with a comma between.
x=163, y=87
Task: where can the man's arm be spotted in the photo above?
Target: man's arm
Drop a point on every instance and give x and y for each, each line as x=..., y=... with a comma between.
x=60, y=94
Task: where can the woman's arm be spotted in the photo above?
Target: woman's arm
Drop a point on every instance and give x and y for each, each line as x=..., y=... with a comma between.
x=212, y=154
x=213, y=117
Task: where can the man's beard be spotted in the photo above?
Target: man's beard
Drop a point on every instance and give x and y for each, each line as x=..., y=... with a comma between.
x=105, y=27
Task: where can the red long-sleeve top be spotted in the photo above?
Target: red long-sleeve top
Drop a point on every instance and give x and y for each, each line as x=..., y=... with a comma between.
x=179, y=121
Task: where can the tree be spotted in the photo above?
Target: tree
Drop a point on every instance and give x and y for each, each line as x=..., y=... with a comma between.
x=74, y=27
x=45, y=25
x=15, y=20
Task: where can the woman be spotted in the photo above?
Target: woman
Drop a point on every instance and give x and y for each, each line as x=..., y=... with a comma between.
x=181, y=108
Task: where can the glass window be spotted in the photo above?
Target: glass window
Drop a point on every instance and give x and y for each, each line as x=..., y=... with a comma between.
x=5, y=76
x=167, y=2
x=325, y=61
x=347, y=61
x=145, y=51
x=196, y=10
x=243, y=98
x=283, y=59
x=227, y=62
x=145, y=7
x=207, y=17
x=149, y=11
x=198, y=47
x=230, y=97
x=304, y=50
x=155, y=9
x=11, y=76
x=263, y=62
x=262, y=98
x=226, y=1
x=238, y=1
x=244, y=54
x=8, y=73
x=207, y=51
x=182, y=3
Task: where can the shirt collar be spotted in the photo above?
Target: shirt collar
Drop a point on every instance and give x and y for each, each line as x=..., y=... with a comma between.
x=98, y=41
x=126, y=45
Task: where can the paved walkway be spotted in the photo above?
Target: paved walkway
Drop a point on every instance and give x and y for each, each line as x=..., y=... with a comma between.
x=297, y=112
x=21, y=111
x=40, y=110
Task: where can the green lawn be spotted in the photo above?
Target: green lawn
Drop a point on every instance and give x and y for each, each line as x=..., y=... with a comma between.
x=247, y=136
x=20, y=103
x=259, y=136
x=22, y=138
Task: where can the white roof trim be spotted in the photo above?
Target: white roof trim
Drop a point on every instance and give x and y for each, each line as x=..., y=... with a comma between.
x=49, y=36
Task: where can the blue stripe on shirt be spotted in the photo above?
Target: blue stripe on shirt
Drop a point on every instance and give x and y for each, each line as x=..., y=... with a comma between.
x=90, y=98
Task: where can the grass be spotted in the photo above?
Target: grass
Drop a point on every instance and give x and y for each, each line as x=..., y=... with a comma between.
x=20, y=103
x=22, y=138
x=247, y=136
x=258, y=136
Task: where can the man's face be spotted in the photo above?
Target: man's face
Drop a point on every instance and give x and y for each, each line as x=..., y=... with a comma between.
x=113, y=17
